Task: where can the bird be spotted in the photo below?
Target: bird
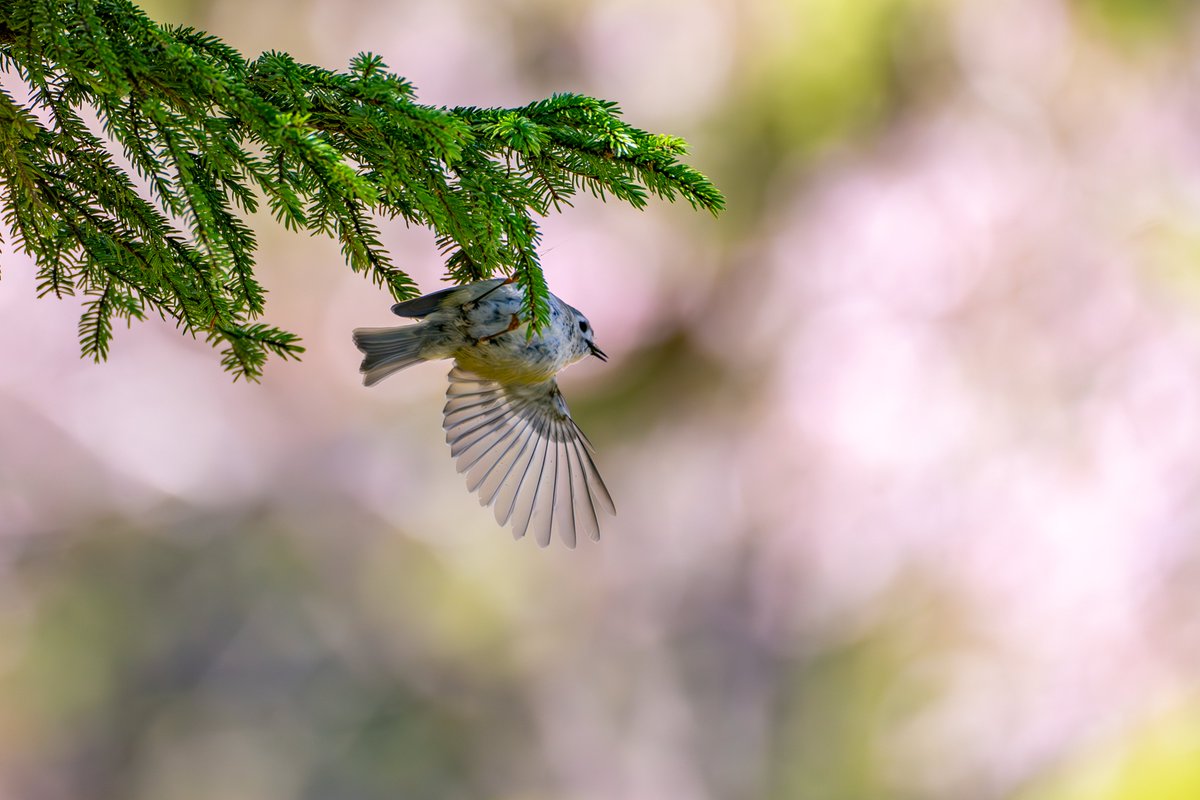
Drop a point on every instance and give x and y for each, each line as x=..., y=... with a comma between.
x=505, y=419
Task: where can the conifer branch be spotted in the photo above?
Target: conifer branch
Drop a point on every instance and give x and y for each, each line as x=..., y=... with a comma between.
x=210, y=134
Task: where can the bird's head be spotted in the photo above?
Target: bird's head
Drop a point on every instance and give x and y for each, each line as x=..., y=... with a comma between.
x=584, y=336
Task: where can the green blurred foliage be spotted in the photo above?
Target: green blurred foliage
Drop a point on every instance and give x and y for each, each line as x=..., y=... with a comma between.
x=843, y=709
x=826, y=66
x=1138, y=19
x=230, y=643
x=1158, y=760
x=820, y=75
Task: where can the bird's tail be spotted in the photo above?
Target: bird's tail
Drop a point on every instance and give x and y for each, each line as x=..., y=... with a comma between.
x=388, y=350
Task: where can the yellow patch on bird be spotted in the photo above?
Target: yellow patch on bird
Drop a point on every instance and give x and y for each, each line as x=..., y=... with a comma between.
x=503, y=370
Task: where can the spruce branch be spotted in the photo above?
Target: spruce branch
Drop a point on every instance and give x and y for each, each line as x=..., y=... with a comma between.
x=211, y=134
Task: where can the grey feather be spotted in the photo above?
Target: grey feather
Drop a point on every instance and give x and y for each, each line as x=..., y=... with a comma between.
x=424, y=305
x=387, y=350
x=524, y=456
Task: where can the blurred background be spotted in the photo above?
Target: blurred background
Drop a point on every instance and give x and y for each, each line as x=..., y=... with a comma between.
x=905, y=445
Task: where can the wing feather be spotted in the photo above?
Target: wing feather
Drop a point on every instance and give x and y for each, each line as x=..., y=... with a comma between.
x=525, y=491
x=595, y=483
x=477, y=428
x=525, y=457
x=564, y=498
x=464, y=403
x=541, y=503
x=490, y=470
x=584, y=504
x=506, y=499
x=504, y=492
x=485, y=441
x=426, y=304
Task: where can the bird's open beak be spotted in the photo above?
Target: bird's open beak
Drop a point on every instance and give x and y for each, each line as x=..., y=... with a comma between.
x=597, y=352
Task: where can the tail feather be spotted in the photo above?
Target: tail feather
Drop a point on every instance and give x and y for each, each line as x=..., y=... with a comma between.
x=387, y=350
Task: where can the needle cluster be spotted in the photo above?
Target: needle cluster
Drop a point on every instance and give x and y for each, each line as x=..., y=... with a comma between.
x=206, y=136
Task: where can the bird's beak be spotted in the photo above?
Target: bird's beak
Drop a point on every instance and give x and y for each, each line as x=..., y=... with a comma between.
x=597, y=352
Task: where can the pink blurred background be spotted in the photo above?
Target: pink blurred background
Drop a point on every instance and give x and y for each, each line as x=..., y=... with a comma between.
x=905, y=445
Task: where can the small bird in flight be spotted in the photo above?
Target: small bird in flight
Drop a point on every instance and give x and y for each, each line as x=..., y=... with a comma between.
x=506, y=421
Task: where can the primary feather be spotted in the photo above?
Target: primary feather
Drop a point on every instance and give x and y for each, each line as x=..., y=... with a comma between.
x=525, y=457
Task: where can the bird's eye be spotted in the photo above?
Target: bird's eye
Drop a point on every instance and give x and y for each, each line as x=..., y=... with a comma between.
x=583, y=326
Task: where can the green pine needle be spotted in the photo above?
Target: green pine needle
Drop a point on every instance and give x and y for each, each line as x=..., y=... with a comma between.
x=212, y=134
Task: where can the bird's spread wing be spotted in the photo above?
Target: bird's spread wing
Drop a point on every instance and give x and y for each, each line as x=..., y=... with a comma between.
x=525, y=457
